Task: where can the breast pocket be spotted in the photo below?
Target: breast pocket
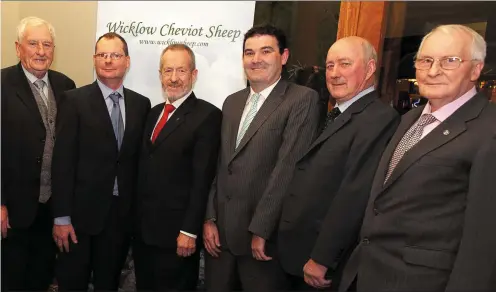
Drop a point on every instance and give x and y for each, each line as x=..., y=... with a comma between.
x=430, y=160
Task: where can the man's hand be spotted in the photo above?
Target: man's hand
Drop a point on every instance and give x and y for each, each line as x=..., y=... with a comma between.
x=258, y=248
x=186, y=245
x=61, y=234
x=314, y=275
x=211, y=238
x=5, y=221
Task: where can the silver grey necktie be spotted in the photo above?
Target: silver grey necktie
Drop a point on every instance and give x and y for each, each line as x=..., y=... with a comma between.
x=116, y=117
x=411, y=137
x=40, y=84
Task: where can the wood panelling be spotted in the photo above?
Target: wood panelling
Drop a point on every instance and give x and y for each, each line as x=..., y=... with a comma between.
x=365, y=19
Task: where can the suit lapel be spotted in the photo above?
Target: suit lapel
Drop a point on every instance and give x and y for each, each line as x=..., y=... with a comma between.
x=25, y=94
x=239, y=102
x=269, y=106
x=175, y=120
x=150, y=126
x=448, y=130
x=99, y=108
x=54, y=85
x=344, y=118
x=407, y=121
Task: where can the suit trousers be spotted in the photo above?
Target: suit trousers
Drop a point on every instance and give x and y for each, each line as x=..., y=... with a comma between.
x=28, y=255
x=102, y=255
x=161, y=269
x=221, y=273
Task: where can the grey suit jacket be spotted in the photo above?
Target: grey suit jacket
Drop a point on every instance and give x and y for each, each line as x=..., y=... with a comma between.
x=415, y=223
x=251, y=180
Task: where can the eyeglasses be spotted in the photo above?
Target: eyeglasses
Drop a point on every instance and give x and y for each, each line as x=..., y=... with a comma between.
x=113, y=56
x=447, y=63
x=47, y=46
x=181, y=72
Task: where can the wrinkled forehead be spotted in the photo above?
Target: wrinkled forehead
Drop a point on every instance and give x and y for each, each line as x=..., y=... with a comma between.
x=176, y=58
x=345, y=50
x=441, y=44
x=39, y=32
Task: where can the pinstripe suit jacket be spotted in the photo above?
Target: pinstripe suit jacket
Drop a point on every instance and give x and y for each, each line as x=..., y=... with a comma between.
x=251, y=180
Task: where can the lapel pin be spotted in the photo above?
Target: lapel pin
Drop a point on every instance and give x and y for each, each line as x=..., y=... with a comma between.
x=446, y=132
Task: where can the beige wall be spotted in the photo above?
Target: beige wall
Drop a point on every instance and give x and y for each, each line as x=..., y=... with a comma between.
x=75, y=27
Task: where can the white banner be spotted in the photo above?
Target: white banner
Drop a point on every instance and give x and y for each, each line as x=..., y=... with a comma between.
x=213, y=29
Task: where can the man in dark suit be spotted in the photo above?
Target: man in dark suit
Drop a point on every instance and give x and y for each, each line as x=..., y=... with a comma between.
x=177, y=165
x=31, y=97
x=95, y=171
x=332, y=180
x=415, y=234
x=265, y=129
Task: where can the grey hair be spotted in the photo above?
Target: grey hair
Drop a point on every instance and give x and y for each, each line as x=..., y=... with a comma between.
x=178, y=47
x=369, y=52
x=31, y=21
x=478, y=47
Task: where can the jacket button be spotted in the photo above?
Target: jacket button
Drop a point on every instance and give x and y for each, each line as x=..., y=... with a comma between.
x=42, y=140
x=376, y=212
x=365, y=240
x=38, y=159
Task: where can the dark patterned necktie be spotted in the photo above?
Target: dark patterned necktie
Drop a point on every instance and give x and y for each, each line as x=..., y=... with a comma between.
x=331, y=116
x=411, y=137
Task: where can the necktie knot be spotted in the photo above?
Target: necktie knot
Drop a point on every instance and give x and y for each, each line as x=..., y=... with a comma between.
x=426, y=119
x=114, y=96
x=40, y=84
x=254, y=98
x=169, y=108
x=333, y=114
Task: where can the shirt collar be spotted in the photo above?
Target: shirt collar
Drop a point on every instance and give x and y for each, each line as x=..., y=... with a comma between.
x=180, y=101
x=106, y=91
x=345, y=105
x=264, y=93
x=33, y=78
x=448, y=109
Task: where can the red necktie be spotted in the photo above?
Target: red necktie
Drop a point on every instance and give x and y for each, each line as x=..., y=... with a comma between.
x=168, y=109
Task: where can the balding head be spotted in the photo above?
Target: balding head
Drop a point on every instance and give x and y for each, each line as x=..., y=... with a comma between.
x=350, y=67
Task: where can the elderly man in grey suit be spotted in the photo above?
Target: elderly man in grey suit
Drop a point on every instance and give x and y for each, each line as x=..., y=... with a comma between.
x=265, y=129
x=418, y=232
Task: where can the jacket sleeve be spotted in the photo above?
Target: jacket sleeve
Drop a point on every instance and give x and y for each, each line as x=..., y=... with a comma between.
x=205, y=153
x=475, y=268
x=299, y=133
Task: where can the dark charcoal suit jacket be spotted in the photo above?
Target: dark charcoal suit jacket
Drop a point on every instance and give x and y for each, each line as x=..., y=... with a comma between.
x=86, y=159
x=23, y=142
x=176, y=172
x=418, y=232
x=323, y=210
